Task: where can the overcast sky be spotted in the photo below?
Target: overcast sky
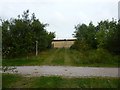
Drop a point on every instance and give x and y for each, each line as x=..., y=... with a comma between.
x=62, y=15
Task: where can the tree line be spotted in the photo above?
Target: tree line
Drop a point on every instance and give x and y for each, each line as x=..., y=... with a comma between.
x=105, y=35
x=19, y=35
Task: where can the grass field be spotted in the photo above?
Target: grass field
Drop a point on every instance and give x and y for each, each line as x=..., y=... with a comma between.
x=17, y=81
x=99, y=58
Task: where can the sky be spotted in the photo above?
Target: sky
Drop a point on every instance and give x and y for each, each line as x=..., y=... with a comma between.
x=62, y=15
x=119, y=10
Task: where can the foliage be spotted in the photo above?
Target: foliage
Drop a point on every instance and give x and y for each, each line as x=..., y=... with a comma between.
x=113, y=42
x=105, y=35
x=20, y=35
x=85, y=36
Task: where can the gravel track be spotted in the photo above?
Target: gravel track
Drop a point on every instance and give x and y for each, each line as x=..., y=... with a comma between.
x=69, y=71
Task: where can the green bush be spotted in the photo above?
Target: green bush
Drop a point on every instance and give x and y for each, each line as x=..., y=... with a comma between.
x=100, y=56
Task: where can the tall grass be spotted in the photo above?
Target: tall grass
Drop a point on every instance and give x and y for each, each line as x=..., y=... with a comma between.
x=98, y=57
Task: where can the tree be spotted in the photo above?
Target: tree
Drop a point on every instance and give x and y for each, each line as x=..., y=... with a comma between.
x=91, y=36
x=105, y=35
x=19, y=35
x=114, y=40
x=85, y=36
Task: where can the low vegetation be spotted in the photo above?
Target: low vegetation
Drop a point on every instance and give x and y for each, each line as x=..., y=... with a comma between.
x=17, y=81
x=99, y=57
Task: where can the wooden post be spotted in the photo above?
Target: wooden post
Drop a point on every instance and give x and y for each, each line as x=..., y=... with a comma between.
x=36, y=48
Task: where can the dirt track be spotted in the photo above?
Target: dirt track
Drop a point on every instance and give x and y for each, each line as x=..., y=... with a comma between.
x=68, y=71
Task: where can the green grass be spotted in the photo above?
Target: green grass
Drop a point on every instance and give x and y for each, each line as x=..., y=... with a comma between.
x=58, y=58
x=17, y=81
x=9, y=79
x=0, y=80
x=97, y=58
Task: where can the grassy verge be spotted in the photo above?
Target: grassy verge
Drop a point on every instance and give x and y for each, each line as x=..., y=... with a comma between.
x=17, y=81
x=97, y=58
x=0, y=80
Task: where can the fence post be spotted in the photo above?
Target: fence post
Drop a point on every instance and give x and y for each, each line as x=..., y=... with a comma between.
x=36, y=48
